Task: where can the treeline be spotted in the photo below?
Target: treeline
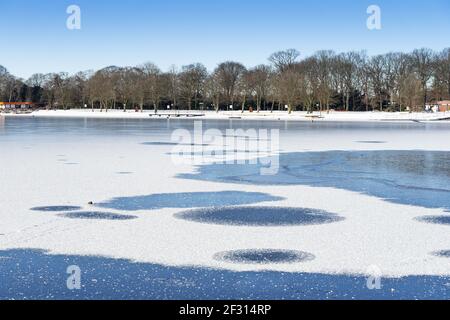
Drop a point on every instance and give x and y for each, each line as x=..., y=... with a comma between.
x=326, y=80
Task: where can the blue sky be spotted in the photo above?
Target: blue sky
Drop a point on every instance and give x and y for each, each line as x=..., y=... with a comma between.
x=209, y=31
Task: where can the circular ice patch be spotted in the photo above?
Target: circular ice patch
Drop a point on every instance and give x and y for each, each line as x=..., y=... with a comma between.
x=55, y=208
x=264, y=256
x=435, y=219
x=93, y=215
x=259, y=216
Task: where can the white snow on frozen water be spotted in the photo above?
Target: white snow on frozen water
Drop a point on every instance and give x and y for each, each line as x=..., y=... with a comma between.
x=372, y=232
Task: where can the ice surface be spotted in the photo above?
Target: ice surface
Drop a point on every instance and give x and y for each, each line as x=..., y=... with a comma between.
x=34, y=274
x=404, y=179
x=409, y=177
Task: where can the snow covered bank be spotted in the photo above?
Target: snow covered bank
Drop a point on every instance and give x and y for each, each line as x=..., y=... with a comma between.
x=236, y=115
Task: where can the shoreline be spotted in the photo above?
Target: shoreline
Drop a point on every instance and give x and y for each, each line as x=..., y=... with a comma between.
x=300, y=116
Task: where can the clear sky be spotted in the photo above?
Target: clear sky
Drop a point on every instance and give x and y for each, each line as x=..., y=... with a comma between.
x=34, y=37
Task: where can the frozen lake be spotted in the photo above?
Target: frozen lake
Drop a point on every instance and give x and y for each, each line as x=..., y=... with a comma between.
x=347, y=200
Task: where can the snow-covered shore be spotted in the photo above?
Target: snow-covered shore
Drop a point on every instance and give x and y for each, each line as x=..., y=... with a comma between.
x=225, y=115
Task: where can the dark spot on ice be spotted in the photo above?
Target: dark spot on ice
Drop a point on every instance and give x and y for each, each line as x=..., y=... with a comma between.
x=93, y=215
x=372, y=142
x=55, y=208
x=172, y=144
x=250, y=138
x=264, y=256
x=435, y=219
x=187, y=200
x=443, y=254
x=124, y=172
x=260, y=216
x=212, y=152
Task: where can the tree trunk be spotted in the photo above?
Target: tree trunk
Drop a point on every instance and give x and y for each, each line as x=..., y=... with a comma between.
x=217, y=105
x=290, y=108
x=425, y=96
x=347, y=101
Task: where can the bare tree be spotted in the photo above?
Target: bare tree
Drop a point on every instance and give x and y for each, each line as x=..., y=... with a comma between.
x=309, y=82
x=284, y=60
x=213, y=90
x=442, y=75
x=347, y=70
x=192, y=79
x=410, y=91
x=398, y=66
x=323, y=65
x=228, y=74
x=289, y=85
x=375, y=69
x=246, y=87
x=127, y=82
x=152, y=85
x=101, y=89
x=259, y=77
x=173, y=89
x=423, y=63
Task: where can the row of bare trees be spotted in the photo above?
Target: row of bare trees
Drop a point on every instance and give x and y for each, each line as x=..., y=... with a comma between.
x=326, y=80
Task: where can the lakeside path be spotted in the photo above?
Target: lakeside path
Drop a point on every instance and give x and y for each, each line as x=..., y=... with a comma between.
x=238, y=115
